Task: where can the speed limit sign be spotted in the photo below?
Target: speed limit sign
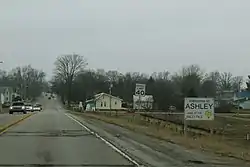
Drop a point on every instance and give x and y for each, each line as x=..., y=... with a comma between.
x=140, y=89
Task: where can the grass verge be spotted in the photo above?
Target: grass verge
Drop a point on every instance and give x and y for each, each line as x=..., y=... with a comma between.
x=218, y=144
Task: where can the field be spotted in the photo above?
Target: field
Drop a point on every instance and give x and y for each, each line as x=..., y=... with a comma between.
x=227, y=137
x=228, y=127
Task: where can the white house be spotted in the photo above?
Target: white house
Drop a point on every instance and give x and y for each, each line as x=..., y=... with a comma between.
x=104, y=101
x=240, y=99
x=143, y=102
x=6, y=94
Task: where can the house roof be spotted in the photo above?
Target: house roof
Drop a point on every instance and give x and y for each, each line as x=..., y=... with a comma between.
x=243, y=94
x=90, y=100
x=99, y=95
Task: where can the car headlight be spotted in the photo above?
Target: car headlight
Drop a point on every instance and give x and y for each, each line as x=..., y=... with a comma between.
x=11, y=108
x=23, y=107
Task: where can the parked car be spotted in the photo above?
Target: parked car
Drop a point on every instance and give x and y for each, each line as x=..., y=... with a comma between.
x=28, y=107
x=37, y=107
x=6, y=104
x=17, y=107
x=172, y=108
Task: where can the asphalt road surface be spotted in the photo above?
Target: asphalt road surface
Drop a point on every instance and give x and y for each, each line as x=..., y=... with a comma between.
x=6, y=118
x=50, y=138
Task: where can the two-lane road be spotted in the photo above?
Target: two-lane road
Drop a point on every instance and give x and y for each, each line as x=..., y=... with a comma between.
x=51, y=138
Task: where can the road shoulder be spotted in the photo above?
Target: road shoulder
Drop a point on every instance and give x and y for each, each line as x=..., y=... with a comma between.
x=148, y=150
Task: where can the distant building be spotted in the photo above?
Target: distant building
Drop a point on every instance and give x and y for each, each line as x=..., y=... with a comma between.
x=143, y=102
x=239, y=99
x=226, y=95
x=6, y=94
x=103, y=101
x=242, y=99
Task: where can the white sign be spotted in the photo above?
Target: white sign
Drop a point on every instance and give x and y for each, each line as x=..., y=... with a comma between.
x=199, y=109
x=140, y=89
x=80, y=104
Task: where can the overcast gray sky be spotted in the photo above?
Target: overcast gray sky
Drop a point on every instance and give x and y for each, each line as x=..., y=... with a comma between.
x=127, y=35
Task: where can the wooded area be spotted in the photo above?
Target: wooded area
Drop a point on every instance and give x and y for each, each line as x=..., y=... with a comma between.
x=26, y=81
x=76, y=83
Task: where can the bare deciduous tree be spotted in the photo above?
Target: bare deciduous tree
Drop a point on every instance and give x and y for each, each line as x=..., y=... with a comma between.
x=27, y=81
x=67, y=68
x=229, y=82
x=191, y=78
x=225, y=81
x=237, y=82
x=248, y=83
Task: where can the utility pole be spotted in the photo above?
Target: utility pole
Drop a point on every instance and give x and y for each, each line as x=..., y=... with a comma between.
x=1, y=105
x=26, y=92
x=110, y=88
x=110, y=93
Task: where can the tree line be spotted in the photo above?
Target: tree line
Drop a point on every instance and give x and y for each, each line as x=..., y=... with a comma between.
x=74, y=82
x=27, y=81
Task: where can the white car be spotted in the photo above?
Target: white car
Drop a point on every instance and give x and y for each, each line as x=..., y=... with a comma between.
x=37, y=107
x=29, y=107
x=17, y=107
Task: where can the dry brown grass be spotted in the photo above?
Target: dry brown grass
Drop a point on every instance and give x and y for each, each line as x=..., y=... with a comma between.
x=231, y=143
x=242, y=116
x=227, y=126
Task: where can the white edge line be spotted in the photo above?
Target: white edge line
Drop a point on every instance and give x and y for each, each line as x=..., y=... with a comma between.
x=105, y=141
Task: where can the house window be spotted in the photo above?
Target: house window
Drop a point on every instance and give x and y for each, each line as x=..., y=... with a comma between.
x=115, y=102
x=105, y=104
x=101, y=104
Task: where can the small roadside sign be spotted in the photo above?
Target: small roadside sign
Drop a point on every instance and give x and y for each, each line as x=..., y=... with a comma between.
x=140, y=89
x=199, y=109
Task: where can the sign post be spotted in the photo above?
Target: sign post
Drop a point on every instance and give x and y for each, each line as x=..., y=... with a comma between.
x=140, y=90
x=198, y=109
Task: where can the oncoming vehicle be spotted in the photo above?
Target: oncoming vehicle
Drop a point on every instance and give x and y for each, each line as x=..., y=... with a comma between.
x=37, y=107
x=28, y=107
x=17, y=107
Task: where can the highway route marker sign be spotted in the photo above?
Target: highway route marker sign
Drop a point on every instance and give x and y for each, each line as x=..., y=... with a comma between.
x=140, y=89
x=199, y=109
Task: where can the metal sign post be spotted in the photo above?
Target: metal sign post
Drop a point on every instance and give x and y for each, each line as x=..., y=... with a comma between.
x=110, y=92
